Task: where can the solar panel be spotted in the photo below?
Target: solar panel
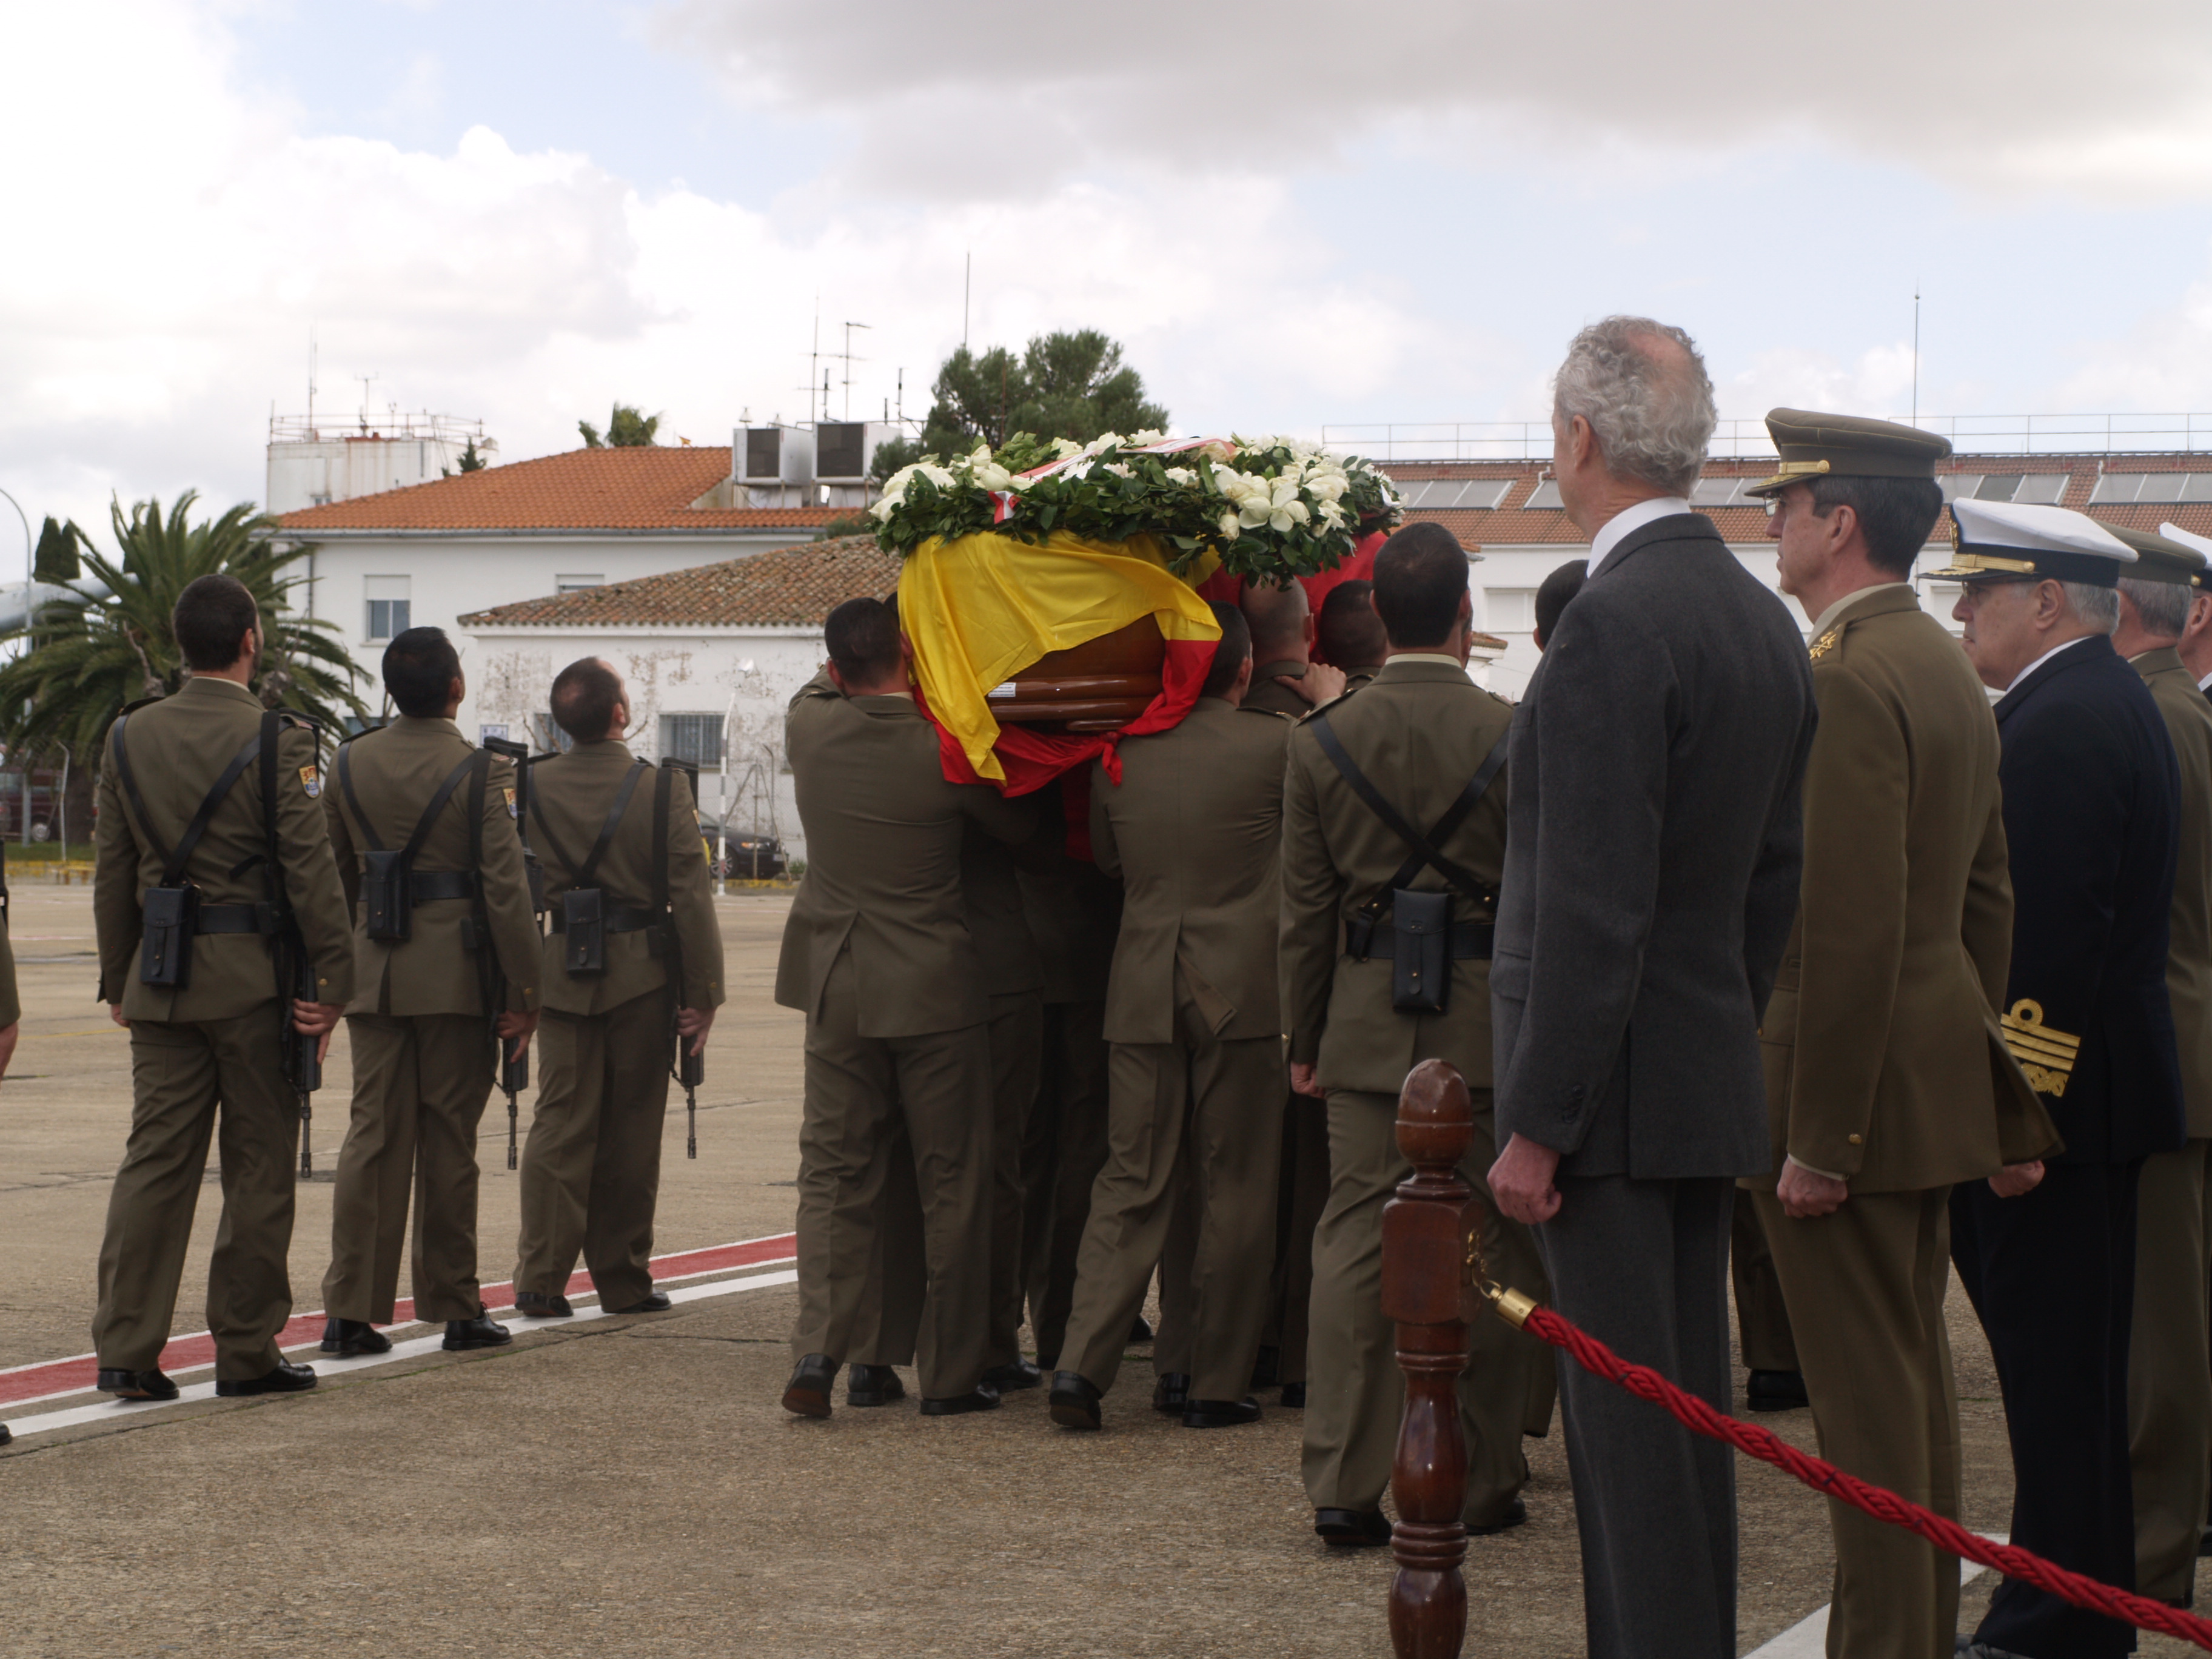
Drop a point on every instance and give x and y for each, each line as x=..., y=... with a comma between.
x=2198, y=488
x=2161, y=486
x=1484, y=492
x=2116, y=487
x=1960, y=485
x=1547, y=494
x=1712, y=492
x=2043, y=489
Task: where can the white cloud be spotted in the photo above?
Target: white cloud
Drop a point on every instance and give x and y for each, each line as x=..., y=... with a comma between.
x=985, y=97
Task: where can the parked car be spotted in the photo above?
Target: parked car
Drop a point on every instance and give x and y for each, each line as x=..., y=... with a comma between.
x=751, y=856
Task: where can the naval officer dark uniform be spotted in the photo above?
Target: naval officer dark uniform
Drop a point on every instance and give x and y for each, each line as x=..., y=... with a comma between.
x=2092, y=812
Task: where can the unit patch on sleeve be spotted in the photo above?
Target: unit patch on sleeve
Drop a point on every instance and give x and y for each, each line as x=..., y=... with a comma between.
x=311, y=781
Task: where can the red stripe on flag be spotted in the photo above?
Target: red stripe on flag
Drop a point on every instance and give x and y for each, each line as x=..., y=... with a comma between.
x=186, y=1353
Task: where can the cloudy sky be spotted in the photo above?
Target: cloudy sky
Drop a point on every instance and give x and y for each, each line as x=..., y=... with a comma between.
x=1295, y=216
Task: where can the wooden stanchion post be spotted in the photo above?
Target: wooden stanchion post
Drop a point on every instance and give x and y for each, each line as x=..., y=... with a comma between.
x=1424, y=1228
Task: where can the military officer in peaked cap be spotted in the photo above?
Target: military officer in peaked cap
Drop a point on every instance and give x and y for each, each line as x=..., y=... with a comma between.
x=1887, y=1079
x=2196, y=648
x=2170, y=1356
x=2092, y=819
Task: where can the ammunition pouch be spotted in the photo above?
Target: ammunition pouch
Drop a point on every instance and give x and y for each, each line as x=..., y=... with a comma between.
x=1420, y=966
x=390, y=888
x=582, y=921
x=388, y=915
x=169, y=918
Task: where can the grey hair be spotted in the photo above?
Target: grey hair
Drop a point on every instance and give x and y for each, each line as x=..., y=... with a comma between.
x=2099, y=607
x=2163, y=606
x=1652, y=420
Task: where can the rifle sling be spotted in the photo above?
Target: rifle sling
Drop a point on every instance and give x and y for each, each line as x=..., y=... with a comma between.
x=583, y=873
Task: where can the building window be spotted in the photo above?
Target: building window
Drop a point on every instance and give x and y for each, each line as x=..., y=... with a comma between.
x=387, y=606
x=570, y=584
x=694, y=738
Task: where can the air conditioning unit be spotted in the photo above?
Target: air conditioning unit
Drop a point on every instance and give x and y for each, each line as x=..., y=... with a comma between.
x=772, y=455
x=844, y=449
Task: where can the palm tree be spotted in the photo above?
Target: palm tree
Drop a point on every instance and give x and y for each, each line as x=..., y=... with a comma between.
x=86, y=657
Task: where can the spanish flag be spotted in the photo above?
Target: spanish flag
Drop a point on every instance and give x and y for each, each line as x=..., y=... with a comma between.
x=980, y=608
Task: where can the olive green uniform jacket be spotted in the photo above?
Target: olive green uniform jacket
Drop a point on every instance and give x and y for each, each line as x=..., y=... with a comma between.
x=1886, y=1066
x=1420, y=729
x=395, y=771
x=571, y=794
x=178, y=746
x=1195, y=828
x=2188, y=962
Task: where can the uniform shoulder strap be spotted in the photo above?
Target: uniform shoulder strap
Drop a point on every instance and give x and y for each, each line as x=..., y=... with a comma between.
x=662, y=785
x=580, y=874
x=475, y=759
x=1424, y=847
x=173, y=864
x=345, y=788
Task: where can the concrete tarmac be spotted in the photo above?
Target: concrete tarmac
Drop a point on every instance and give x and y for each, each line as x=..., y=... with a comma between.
x=631, y=1486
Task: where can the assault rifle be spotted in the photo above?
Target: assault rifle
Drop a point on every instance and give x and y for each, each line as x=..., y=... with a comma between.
x=513, y=1064
x=287, y=948
x=689, y=1069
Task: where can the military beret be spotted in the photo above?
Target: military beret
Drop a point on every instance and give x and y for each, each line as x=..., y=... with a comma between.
x=2159, y=559
x=2174, y=532
x=1846, y=447
x=1993, y=540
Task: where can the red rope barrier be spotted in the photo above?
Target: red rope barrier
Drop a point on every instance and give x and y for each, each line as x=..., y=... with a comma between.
x=1825, y=1477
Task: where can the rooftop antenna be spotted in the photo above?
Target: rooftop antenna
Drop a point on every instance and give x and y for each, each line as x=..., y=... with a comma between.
x=365, y=380
x=849, y=359
x=814, y=354
x=1916, y=352
x=311, y=382
x=902, y=395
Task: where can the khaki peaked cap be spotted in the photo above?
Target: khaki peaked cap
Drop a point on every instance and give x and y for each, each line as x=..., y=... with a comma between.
x=2159, y=560
x=1813, y=446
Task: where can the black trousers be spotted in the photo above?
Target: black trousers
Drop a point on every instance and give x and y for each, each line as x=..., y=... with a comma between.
x=2052, y=1277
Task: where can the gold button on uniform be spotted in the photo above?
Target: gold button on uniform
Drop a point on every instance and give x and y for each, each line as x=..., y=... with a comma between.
x=1856, y=1139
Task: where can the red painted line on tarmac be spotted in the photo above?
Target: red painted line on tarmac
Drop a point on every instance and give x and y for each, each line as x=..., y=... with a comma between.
x=196, y=1351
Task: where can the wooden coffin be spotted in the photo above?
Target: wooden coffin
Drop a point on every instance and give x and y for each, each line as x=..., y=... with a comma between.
x=1097, y=686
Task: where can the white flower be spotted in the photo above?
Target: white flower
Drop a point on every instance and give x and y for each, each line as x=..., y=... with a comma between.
x=1140, y=439
x=1331, y=514
x=1231, y=530
x=989, y=475
x=1181, y=474
x=895, y=487
x=1101, y=443
x=882, y=511
x=937, y=475
x=1275, y=504
x=1064, y=447
x=1119, y=469
x=1079, y=470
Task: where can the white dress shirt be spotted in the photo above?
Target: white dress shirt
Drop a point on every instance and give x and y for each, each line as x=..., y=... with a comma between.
x=1618, y=528
x=2042, y=659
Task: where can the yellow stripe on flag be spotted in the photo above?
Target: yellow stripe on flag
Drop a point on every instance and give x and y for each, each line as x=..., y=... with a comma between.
x=980, y=608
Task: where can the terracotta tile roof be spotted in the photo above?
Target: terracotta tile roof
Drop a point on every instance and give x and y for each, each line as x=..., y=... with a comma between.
x=620, y=489
x=793, y=587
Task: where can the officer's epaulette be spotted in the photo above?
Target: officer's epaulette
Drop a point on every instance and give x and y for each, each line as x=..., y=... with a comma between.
x=1322, y=707
x=1827, y=642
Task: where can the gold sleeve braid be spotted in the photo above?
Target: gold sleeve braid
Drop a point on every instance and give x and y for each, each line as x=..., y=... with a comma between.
x=2046, y=1054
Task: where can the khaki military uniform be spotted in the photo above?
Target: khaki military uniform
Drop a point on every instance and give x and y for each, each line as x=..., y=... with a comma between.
x=891, y=1318
x=591, y=1170
x=1074, y=912
x=423, y=1052
x=1886, y=1068
x=1762, y=1317
x=2169, y=1358
x=1419, y=730
x=206, y=1060
x=1195, y=1074
x=878, y=952
x=1301, y=1178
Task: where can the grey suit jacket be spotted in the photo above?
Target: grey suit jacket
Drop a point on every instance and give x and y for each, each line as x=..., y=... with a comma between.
x=1651, y=863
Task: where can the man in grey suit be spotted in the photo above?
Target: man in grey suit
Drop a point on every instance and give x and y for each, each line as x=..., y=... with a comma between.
x=1651, y=878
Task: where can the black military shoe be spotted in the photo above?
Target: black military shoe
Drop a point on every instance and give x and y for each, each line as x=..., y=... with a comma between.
x=4, y=1436
x=351, y=1338
x=981, y=1398
x=287, y=1378
x=1351, y=1530
x=1171, y=1392
x=872, y=1385
x=1073, y=1402
x=1140, y=1331
x=1220, y=1414
x=136, y=1385
x=1017, y=1373
x=1267, y=1368
x=531, y=1304
x=807, y=1393
x=462, y=1335
x=1775, y=1391
x=1294, y=1396
x=655, y=1301
x=1516, y=1513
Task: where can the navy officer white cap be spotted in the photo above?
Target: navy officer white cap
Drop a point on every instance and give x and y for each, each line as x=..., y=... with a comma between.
x=2174, y=532
x=2007, y=539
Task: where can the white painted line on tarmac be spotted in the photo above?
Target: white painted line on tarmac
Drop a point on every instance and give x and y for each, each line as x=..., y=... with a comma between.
x=1808, y=1637
x=116, y=1410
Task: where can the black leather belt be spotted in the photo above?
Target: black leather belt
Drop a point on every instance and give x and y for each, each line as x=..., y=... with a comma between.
x=234, y=919
x=1470, y=942
x=619, y=918
x=426, y=884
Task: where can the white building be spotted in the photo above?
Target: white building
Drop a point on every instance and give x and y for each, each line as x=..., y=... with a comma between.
x=314, y=464
x=424, y=556
x=733, y=640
